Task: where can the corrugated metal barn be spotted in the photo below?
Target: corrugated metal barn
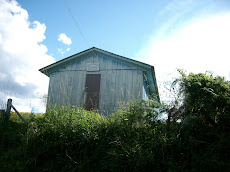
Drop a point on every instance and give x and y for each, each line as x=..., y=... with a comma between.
x=97, y=79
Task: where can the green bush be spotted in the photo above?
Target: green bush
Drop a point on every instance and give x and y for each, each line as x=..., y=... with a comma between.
x=133, y=139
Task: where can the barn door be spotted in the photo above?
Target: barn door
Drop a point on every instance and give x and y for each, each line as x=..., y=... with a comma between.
x=92, y=88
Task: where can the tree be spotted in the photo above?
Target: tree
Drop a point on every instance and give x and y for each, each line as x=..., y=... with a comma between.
x=206, y=97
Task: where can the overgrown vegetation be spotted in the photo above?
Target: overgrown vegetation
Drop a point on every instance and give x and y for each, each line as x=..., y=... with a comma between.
x=133, y=139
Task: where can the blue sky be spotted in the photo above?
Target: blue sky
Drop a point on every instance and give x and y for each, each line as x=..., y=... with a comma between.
x=117, y=26
x=189, y=34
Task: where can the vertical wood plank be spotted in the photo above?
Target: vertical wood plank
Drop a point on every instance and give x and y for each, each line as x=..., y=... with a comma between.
x=120, y=81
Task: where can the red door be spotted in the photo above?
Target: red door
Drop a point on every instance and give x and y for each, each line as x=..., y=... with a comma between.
x=92, y=88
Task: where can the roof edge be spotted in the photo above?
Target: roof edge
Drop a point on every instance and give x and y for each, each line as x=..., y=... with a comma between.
x=46, y=68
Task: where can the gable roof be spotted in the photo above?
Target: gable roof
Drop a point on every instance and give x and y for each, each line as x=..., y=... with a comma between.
x=150, y=72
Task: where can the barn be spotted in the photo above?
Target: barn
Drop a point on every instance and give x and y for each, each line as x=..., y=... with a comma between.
x=98, y=79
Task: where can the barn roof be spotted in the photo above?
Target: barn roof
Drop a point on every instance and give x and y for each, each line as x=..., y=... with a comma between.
x=149, y=70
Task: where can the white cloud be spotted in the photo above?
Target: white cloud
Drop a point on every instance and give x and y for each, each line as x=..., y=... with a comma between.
x=197, y=47
x=64, y=39
x=60, y=50
x=21, y=56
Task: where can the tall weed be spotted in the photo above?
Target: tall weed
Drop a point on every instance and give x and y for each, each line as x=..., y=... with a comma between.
x=133, y=139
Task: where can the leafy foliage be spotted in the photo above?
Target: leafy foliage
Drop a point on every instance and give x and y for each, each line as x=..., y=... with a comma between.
x=133, y=139
x=207, y=98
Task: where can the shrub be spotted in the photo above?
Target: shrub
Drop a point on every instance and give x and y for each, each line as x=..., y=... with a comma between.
x=133, y=139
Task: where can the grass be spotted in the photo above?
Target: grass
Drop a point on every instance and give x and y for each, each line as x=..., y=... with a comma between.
x=67, y=139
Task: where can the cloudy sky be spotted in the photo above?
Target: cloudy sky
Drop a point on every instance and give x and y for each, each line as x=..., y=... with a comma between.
x=188, y=34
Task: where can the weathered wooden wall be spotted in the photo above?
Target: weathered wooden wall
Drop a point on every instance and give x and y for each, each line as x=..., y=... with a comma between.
x=120, y=82
x=145, y=88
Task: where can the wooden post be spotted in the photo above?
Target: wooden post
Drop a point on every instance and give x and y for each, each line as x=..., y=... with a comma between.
x=9, y=103
x=9, y=106
x=19, y=114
